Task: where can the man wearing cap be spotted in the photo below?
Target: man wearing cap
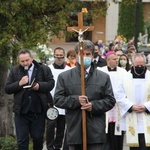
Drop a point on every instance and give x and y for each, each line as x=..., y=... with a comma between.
x=114, y=134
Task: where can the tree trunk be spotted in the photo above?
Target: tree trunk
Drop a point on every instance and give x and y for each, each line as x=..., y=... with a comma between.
x=6, y=101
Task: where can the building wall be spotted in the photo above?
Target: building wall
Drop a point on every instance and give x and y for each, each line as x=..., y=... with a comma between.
x=99, y=29
x=106, y=27
x=146, y=11
x=112, y=18
x=98, y=33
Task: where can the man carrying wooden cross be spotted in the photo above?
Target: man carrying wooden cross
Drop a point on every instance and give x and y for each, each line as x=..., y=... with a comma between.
x=97, y=100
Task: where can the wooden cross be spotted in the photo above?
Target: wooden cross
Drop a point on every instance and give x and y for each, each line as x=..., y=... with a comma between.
x=80, y=24
x=80, y=29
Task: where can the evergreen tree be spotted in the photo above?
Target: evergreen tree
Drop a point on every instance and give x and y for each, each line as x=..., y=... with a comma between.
x=127, y=16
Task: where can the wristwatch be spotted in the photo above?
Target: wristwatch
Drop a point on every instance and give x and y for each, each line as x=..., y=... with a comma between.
x=52, y=113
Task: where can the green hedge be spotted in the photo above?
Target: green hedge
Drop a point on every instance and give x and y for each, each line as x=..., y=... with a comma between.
x=8, y=143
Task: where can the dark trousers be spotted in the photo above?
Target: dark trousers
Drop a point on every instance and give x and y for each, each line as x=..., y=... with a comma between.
x=30, y=124
x=65, y=146
x=54, y=139
x=113, y=142
x=89, y=147
x=141, y=143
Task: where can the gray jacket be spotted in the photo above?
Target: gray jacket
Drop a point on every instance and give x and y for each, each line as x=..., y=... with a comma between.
x=99, y=92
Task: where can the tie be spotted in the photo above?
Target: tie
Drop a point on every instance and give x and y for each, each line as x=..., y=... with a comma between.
x=85, y=74
x=29, y=76
x=95, y=62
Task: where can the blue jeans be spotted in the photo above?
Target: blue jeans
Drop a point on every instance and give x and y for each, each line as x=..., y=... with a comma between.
x=30, y=124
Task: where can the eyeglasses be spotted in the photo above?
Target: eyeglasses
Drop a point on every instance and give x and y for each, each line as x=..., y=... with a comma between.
x=72, y=56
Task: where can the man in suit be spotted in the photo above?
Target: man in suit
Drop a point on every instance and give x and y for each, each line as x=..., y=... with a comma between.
x=30, y=104
x=98, y=60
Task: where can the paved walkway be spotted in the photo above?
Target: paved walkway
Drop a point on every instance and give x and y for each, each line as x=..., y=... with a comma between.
x=125, y=147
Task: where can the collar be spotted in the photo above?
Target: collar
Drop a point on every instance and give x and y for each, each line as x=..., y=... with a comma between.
x=31, y=67
x=62, y=66
x=141, y=76
x=97, y=58
x=88, y=69
x=112, y=69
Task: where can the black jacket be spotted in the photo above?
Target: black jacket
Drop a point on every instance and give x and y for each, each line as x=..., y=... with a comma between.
x=101, y=62
x=44, y=78
x=99, y=92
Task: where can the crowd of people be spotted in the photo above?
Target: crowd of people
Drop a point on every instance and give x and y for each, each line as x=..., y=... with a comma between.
x=116, y=99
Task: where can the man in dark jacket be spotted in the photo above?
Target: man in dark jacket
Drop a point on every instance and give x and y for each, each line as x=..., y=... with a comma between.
x=98, y=60
x=99, y=99
x=30, y=103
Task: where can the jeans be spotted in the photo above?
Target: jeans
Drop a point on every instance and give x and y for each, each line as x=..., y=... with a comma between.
x=30, y=124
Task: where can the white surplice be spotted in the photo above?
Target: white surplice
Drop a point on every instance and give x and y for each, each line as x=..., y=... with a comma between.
x=56, y=73
x=113, y=115
x=129, y=92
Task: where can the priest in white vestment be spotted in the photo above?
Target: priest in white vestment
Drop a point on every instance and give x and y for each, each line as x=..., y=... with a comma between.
x=133, y=98
x=55, y=128
x=114, y=134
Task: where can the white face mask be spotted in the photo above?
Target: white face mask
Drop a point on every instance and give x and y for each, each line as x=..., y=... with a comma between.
x=123, y=63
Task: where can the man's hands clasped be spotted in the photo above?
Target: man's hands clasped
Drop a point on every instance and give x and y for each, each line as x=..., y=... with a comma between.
x=138, y=108
x=85, y=104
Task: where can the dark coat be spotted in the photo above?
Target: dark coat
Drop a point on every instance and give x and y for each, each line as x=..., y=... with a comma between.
x=99, y=92
x=101, y=62
x=44, y=78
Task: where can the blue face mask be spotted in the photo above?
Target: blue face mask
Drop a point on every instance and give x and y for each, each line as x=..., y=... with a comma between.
x=87, y=61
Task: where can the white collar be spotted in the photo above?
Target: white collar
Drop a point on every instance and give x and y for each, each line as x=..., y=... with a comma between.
x=31, y=68
x=96, y=59
x=88, y=69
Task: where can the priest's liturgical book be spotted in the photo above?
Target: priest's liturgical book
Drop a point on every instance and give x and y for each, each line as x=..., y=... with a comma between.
x=31, y=85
